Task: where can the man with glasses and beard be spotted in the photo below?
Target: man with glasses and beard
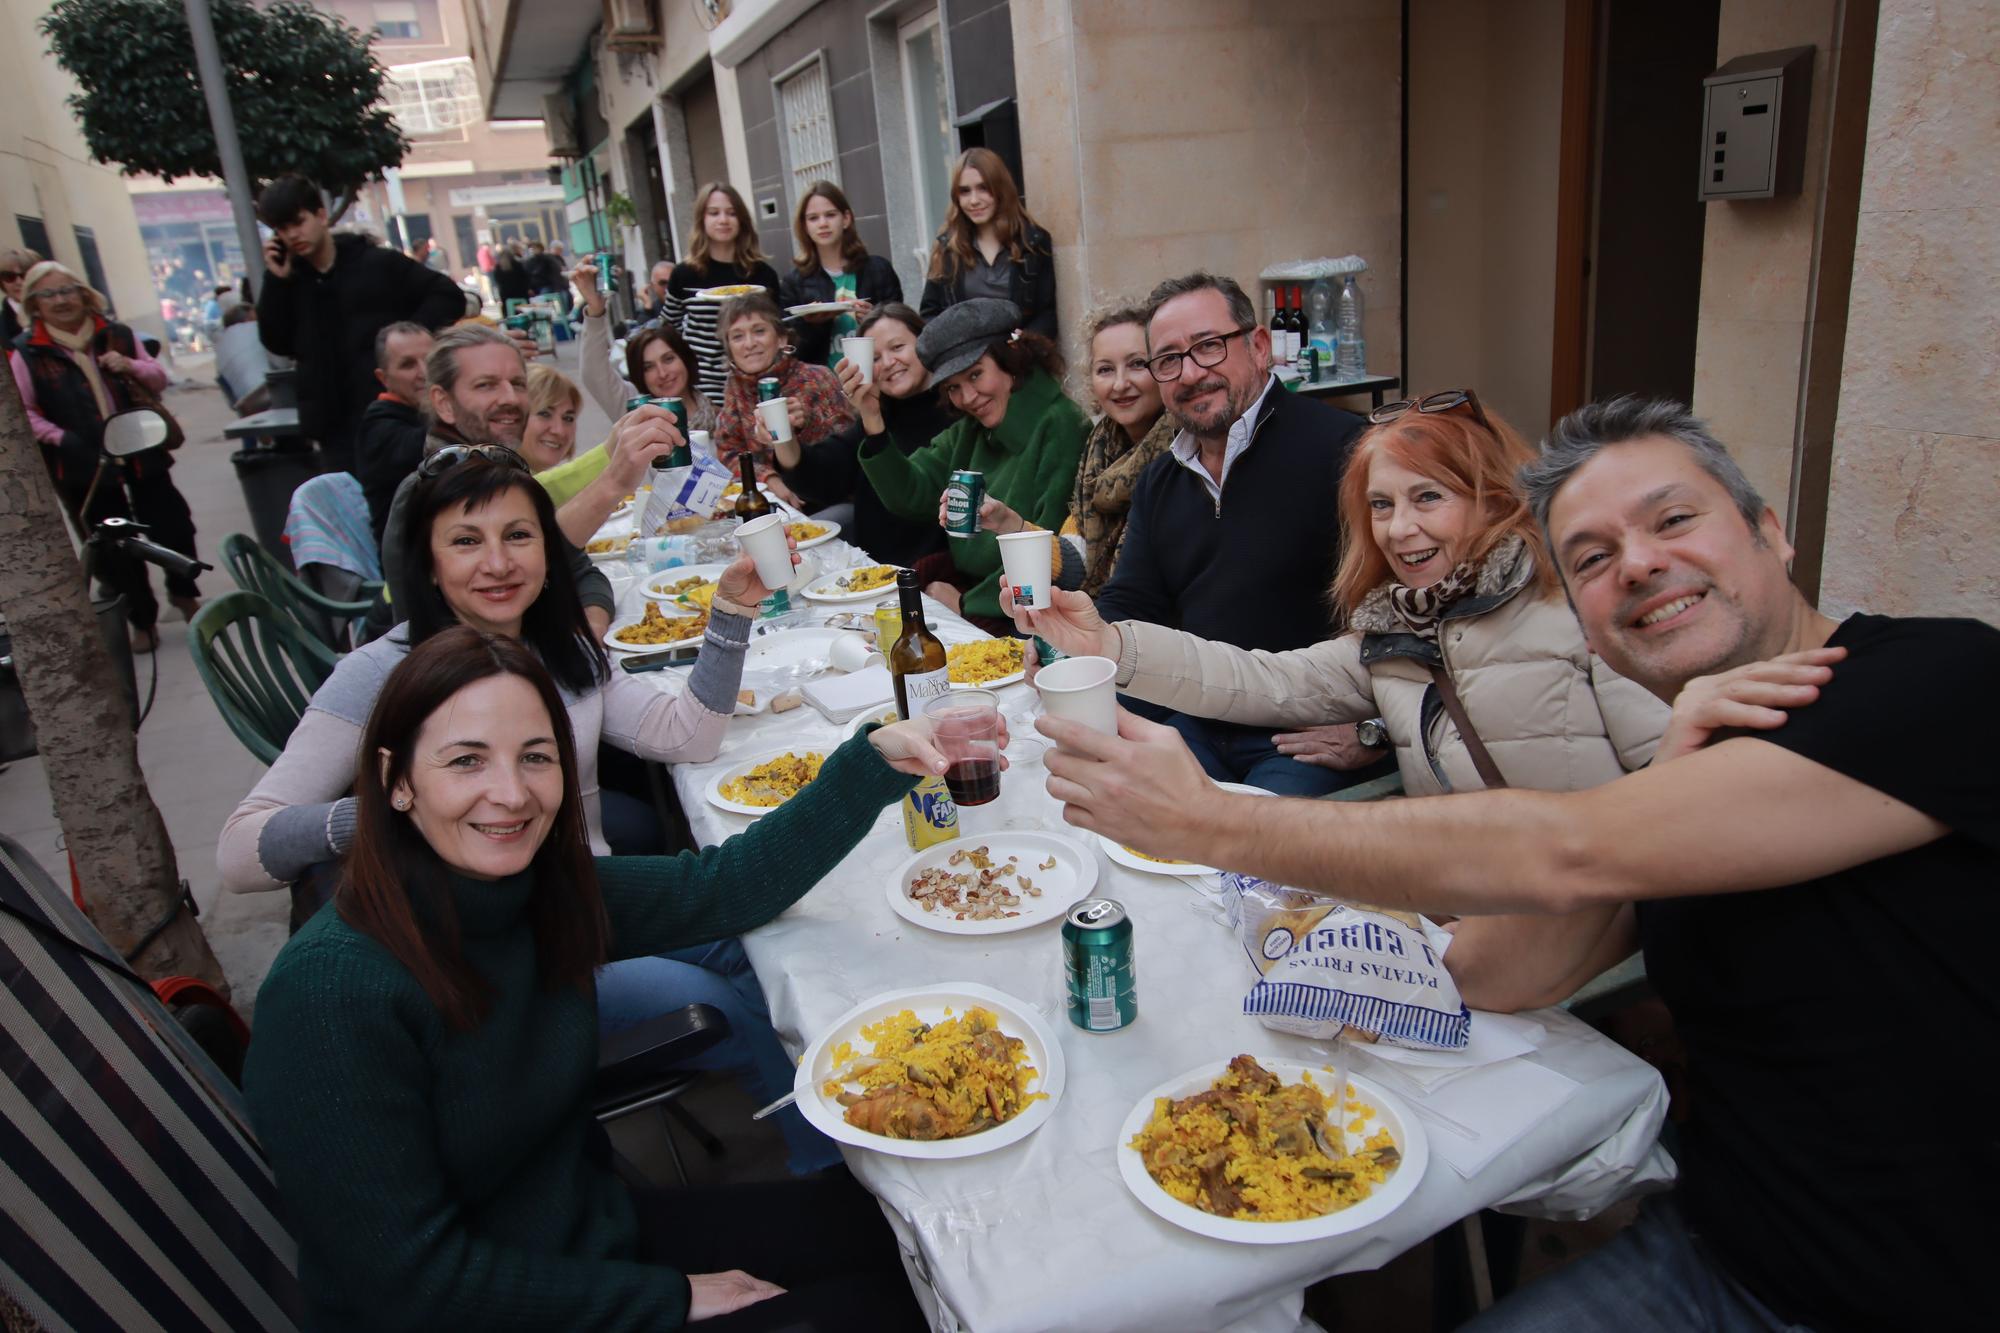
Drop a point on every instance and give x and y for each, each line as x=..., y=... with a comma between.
x=1234, y=532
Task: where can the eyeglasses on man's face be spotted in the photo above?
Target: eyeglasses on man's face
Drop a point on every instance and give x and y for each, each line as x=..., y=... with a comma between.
x=1207, y=354
x=453, y=454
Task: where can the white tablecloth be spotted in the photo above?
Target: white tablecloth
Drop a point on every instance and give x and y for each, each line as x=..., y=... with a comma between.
x=1043, y=1234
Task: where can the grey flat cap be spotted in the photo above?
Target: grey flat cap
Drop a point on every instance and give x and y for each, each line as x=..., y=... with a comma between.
x=961, y=334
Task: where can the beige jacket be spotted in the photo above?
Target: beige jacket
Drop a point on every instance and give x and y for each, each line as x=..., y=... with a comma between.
x=1554, y=717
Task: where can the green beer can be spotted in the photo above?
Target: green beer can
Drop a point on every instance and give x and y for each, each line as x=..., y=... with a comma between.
x=767, y=388
x=1098, y=966
x=964, y=492
x=636, y=401
x=680, y=411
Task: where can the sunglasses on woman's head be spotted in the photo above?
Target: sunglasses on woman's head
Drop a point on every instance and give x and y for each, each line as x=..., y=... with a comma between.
x=1443, y=401
x=453, y=454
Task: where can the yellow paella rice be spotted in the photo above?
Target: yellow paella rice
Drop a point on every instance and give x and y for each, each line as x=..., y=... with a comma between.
x=606, y=545
x=1156, y=860
x=805, y=532
x=1257, y=1149
x=866, y=579
x=774, y=781
x=982, y=660
x=925, y=1081
x=654, y=628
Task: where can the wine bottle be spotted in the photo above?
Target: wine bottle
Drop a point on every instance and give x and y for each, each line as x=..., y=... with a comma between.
x=1300, y=333
x=1276, y=300
x=916, y=659
x=751, y=504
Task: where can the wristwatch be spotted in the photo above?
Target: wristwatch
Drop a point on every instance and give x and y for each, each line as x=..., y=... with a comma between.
x=1373, y=734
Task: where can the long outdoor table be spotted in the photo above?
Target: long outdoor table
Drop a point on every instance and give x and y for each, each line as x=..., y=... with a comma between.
x=1043, y=1234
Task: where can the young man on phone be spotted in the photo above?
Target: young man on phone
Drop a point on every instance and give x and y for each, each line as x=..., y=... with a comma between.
x=325, y=298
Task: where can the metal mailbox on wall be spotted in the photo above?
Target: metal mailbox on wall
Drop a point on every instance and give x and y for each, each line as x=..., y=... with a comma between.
x=1753, y=125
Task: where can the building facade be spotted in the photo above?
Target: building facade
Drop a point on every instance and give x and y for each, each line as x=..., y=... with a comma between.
x=54, y=199
x=1520, y=177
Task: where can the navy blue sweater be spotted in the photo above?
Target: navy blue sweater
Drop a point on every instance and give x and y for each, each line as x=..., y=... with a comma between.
x=1253, y=570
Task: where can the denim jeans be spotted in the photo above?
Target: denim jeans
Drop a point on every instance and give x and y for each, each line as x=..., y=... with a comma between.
x=1655, y=1276
x=635, y=989
x=1231, y=753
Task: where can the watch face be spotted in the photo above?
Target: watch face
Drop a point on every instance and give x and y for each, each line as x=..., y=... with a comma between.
x=1372, y=734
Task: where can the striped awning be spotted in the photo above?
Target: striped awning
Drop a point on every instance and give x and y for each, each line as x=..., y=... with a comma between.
x=132, y=1195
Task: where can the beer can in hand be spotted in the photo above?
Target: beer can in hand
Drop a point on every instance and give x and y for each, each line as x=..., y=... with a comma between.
x=964, y=492
x=767, y=388
x=1098, y=966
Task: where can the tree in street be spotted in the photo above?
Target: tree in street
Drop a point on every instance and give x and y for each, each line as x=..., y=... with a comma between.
x=306, y=89
x=123, y=855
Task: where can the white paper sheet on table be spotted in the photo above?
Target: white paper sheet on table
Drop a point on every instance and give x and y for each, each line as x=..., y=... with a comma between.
x=839, y=698
x=1504, y=1100
x=1494, y=1037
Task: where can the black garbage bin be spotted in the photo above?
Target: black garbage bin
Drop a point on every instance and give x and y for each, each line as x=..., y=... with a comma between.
x=17, y=733
x=269, y=473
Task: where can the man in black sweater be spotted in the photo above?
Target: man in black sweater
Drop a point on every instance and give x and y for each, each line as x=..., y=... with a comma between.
x=325, y=297
x=390, y=442
x=1252, y=571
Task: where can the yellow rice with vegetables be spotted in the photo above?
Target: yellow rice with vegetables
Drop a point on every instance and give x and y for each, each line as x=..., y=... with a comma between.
x=1257, y=1149
x=774, y=781
x=982, y=660
x=927, y=1081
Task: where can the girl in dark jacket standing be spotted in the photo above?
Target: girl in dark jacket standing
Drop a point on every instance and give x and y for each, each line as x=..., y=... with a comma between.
x=832, y=265
x=990, y=247
x=724, y=254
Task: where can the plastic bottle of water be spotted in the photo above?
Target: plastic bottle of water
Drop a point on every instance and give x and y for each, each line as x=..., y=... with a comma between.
x=1353, y=358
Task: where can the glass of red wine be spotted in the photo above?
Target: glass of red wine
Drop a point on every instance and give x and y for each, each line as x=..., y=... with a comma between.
x=966, y=727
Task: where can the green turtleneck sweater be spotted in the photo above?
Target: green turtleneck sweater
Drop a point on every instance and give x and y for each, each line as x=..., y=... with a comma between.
x=1028, y=461
x=439, y=1179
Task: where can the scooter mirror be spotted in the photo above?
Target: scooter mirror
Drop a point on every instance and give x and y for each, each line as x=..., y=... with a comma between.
x=134, y=432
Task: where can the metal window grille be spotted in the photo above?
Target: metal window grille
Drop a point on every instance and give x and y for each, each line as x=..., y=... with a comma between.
x=808, y=120
x=434, y=96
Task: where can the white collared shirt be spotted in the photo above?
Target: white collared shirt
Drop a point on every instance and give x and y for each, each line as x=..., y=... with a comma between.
x=1188, y=453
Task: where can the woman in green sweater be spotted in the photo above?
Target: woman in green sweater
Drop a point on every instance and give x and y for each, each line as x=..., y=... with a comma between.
x=421, y=1068
x=1018, y=429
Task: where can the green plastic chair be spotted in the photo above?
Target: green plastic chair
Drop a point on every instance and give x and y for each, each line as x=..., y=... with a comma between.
x=259, y=666
x=1375, y=789
x=329, y=621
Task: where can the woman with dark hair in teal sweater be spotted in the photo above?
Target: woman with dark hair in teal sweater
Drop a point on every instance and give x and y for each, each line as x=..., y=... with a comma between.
x=421, y=1068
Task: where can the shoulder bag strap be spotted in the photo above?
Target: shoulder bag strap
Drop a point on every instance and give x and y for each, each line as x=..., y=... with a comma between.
x=1489, y=772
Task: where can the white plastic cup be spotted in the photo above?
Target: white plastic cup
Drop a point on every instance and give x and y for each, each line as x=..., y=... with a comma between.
x=1028, y=560
x=777, y=418
x=1081, y=690
x=763, y=540
x=852, y=652
x=861, y=351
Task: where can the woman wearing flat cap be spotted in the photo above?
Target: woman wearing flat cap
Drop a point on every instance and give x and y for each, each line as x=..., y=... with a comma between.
x=1016, y=427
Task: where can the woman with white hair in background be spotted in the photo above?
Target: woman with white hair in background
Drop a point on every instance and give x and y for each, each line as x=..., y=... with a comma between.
x=74, y=367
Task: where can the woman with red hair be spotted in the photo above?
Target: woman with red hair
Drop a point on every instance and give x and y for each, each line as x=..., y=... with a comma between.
x=1459, y=638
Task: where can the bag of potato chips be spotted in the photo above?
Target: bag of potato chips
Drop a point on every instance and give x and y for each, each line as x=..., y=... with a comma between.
x=1322, y=965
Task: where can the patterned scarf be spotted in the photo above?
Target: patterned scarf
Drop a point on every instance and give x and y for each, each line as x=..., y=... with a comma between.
x=77, y=344
x=1420, y=609
x=1105, y=477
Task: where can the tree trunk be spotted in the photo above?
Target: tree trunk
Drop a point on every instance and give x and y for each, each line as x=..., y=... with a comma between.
x=77, y=700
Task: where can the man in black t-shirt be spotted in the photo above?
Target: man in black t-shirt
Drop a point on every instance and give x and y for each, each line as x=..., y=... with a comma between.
x=1811, y=866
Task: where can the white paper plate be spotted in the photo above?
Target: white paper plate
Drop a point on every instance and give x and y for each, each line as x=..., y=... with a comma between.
x=713, y=791
x=832, y=531
x=822, y=308
x=675, y=574
x=791, y=647
x=1133, y=861
x=718, y=295
x=1072, y=877
x=616, y=557
x=1027, y=646
x=1017, y=1019
x=1390, y=1112
x=885, y=715
x=822, y=589
x=671, y=610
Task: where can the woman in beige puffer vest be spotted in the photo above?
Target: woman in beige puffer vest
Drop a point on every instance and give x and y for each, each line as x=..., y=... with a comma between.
x=1483, y=605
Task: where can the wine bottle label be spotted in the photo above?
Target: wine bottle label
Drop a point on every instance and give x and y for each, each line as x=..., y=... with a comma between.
x=923, y=686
